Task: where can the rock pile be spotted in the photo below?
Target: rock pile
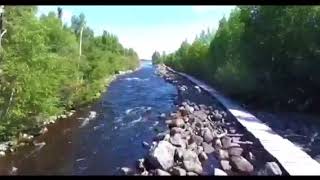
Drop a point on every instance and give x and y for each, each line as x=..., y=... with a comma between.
x=195, y=132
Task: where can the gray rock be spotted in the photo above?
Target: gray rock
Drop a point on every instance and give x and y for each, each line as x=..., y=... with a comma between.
x=169, y=122
x=192, y=146
x=183, y=111
x=144, y=173
x=140, y=164
x=235, y=151
x=203, y=107
x=162, y=155
x=197, y=139
x=4, y=146
x=196, y=107
x=223, y=113
x=186, y=119
x=126, y=171
x=200, y=114
x=160, y=172
x=190, y=109
x=166, y=137
x=272, y=168
x=226, y=142
x=223, y=154
x=207, y=147
x=250, y=157
x=225, y=165
x=191, y=162
x=217, y=116
x=203, y=156
x=2, y=153
x=13, y=171
x=219, y=172
x=217, y=144
x=177, y=140
x=178, y=171
x=175, y=130
x=43, y=130
x=241, y=164
x=199, y=150
x=207, y=135
x=192, y=174
x=177, y=122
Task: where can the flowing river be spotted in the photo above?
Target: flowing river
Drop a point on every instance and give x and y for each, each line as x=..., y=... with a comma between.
x=127, y=114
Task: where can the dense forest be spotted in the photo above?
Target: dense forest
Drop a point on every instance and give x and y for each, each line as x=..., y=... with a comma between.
x=266, y=56
x=45, y=70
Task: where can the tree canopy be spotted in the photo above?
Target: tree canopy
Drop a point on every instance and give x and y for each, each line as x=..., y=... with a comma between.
x=40, y=70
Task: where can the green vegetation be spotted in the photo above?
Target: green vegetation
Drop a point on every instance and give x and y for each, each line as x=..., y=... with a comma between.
x=41, y=71
x=261, y=55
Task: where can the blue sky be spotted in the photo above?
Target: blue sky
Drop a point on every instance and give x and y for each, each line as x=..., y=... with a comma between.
x=148, y=28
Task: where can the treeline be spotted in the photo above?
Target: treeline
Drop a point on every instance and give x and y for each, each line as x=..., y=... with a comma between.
x=41, y=70
x=266, y=56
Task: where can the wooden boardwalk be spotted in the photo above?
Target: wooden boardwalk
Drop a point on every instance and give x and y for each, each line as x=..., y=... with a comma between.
x=291, y=157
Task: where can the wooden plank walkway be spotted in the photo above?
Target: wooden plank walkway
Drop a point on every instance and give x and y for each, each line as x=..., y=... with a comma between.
x=291, y=157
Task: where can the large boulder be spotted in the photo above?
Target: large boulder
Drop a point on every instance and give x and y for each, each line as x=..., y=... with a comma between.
x=235, y=151
x=192, y=174
x=219, y=172
x=241, y=164
x=126, y=171
x=197, y=139
x=191, y=162
x=183, y=111
x=177, y=140
x=175, y=130
x=189, y=109
x=160, y=172
x=207, y=147
x=177, y=122
x=222, y=154
x=208, y=136
x=226, y=142
x=225, y=165
x=162, y=155
x=178, y=171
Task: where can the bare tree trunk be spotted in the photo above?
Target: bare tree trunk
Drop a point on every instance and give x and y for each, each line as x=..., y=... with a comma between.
x=80, y=49
x=2, y=30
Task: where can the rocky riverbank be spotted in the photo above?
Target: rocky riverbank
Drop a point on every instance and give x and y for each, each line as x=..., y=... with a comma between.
x=203, y=139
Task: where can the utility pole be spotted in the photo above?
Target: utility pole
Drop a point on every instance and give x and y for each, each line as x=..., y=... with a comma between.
x=2, y=30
